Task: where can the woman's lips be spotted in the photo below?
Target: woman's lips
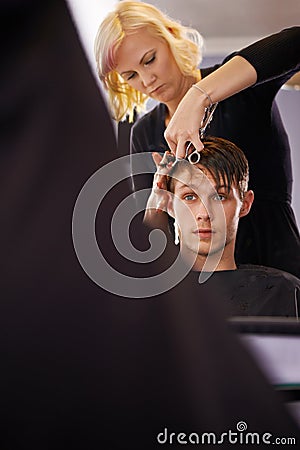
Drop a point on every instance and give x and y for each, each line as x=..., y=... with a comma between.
x=156, y=90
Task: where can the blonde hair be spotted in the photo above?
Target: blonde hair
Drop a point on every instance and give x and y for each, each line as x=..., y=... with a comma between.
x=185, y=44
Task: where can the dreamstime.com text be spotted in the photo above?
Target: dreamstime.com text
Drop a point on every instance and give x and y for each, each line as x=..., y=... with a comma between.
x=238, y=436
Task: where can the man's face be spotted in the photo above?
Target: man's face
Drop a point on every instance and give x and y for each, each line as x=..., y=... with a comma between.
x=207, y=215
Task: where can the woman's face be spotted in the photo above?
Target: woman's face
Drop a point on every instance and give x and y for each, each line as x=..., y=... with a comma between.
x=147, y=64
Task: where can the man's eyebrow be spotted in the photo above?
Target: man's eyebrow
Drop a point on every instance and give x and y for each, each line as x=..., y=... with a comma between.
x=184, y=186
x=195, y=187
x=141, y=61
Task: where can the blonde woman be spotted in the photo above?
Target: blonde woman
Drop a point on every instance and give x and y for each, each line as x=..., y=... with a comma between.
x=141, y=53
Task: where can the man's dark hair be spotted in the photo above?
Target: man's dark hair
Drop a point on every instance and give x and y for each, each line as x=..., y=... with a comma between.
x=224, y=160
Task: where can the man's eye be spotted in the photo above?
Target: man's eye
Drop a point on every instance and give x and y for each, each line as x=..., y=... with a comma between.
x=219, y=197
x=189, y=197
x=150, y=60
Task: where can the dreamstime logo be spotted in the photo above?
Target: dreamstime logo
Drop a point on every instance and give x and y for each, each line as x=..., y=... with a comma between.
x=241, y=426
x=94, y=262
x=232, y=437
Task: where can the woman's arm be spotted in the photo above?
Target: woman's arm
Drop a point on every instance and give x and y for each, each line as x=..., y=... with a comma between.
x=274, y=55
x=267, y=58
x=234, y=76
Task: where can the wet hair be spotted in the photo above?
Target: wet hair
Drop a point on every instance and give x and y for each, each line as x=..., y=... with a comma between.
x=224, y=160
x=184, y=43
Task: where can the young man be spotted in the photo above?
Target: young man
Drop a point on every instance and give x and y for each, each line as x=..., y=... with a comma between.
x=206, y=201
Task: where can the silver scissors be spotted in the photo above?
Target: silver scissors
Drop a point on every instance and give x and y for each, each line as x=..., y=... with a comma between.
x=195, y=156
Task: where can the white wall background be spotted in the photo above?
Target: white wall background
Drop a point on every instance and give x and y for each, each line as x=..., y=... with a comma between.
x=87, y=15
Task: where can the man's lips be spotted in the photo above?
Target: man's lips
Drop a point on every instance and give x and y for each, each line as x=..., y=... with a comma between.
x=204, y=232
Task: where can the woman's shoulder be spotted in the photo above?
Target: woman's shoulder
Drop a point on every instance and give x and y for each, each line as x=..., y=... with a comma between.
x=147, y=133
x=150, y=118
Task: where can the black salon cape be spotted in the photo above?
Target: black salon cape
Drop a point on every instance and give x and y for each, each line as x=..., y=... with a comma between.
x=255, y=291
x=82, y=368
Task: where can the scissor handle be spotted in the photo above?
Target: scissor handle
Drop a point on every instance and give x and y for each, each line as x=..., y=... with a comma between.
x=194, y=157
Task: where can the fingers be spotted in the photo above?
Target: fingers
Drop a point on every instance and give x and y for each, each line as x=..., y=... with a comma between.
x=197, y=143
x=160, y=181
x=185, y=124
x=163, y=202
x=163, y=162
x=157, y=158
x=159, y=197
x=179, y=145
x=171, y=141
x=181, y=148
x=163, y=166
x=184, y=147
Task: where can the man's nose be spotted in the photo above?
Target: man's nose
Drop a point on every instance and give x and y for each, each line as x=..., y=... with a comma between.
x=202, y=211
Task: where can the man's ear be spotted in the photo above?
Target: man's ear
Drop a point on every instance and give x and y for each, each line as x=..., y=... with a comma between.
x=247, y=203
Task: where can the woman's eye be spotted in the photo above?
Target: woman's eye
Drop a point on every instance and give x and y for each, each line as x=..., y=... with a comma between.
x=131, y=76
x=150, y=60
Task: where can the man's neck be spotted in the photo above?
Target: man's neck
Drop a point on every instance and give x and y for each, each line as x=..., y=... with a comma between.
x=213, y=263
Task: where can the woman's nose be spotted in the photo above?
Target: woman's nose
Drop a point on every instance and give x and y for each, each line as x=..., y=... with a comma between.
x=148, y=79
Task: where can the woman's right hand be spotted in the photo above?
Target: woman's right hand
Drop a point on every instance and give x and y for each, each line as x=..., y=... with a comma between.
x=232, y=77
x=185, y=124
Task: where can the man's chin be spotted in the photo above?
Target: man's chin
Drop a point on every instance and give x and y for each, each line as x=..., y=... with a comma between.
x=208, y=257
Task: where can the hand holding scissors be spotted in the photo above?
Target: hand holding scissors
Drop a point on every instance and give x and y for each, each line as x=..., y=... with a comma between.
x=195, y=156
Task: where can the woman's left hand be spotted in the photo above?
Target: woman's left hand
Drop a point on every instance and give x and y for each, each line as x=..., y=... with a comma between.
x=160, y=197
